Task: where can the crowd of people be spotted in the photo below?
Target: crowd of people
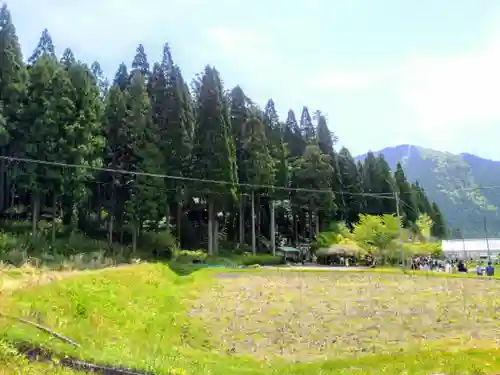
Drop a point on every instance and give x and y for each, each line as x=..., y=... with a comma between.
x=426, y=263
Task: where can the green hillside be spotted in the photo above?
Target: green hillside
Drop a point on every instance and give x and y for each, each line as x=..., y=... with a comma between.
x=258, y=322
x=462, y=185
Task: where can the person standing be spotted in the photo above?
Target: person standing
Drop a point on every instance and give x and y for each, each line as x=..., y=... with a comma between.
x=447, y=267
x=490, y=270
x=479, y=269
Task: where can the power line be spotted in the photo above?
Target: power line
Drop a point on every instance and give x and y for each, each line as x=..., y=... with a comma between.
x=191, y=179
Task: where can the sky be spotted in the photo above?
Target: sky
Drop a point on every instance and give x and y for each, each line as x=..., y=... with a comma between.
x=386, y=72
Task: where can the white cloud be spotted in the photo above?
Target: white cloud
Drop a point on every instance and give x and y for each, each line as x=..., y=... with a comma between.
x=346, y=80
x=451, y=91
x=246, y=47
x=108, y=29
x=434, y=93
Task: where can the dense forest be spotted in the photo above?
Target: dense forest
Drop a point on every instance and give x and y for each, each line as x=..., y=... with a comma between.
x=147, y=151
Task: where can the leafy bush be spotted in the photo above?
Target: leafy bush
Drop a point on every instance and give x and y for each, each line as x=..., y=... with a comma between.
x=423, y=248
x=263, y=260
x=191, y=256
x=75, y=243
x=159, y=244
x=336, y=233
x=9, y=242
x=184, y=269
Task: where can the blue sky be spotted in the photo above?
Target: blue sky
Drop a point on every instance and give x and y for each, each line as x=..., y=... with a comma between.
x=385, y=72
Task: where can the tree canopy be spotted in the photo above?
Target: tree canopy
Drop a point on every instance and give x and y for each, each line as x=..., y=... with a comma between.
x=116, y=155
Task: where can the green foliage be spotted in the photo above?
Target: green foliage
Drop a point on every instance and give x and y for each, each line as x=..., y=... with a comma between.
x=347, y=179
x=8, y=243
x=313, y=171
x=377, y=236
x=148, y=125
x=191, y=256
x=408, y=203
x=423, y=248
x=257, y=165
x=438, y=229
x=213, y=150
x=45, y=47
x=292, y=136
x=424, y=225
x=336, y=233
x=306, y=126
x=160, y=245
x=141, y=154
x=140, y=64
x=262, y=259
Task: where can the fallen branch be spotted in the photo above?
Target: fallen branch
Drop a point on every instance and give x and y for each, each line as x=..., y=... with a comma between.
x=42, y=328
x=37, y=354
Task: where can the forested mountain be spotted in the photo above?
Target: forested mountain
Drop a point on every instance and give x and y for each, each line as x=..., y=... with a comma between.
x=114, y=158
x=466, y=187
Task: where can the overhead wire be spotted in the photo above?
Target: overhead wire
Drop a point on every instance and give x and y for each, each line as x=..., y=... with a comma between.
x=191, y=179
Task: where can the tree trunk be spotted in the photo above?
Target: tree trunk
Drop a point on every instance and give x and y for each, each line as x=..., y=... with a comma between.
x=36, y=209
x=258, y=218
x=122, y=227
x=67, y=202
x=210, y=228
x=302, y=224
x=242, y=223
x=54, y=217
x=296, y=228
x=273, y=227
x=317, y=223
x=2, y=182
x=235, y=232
x=134, y=237
x=167, y=217
x=99, y=205
x=13, y=199
x=179, y=222
x=254, y=245
x=310, y=221
x=110, y=229
x=216, y=234
x=111, y=214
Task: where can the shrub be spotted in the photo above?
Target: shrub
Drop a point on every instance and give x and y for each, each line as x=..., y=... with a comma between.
x=191, y=256
x=9, y=242
x=263, y=259
x=159, y=244
x=76, y=243
x=336, y=233
x=423, y=248
x=184, y=269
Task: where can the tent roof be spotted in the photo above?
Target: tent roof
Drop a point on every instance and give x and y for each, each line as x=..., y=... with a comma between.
x=288, y=249
x=338, y=249
x=471, y=245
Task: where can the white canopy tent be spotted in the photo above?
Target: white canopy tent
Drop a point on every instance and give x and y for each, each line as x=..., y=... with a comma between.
x=466, y=249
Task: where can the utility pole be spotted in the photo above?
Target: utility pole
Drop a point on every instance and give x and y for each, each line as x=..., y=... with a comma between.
x=403, y=263
x=254, y=247
x=486, y=236
x=463, y=246
x=273, y=228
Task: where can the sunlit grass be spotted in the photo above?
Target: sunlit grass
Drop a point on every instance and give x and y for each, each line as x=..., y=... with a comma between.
x=265, y=322
x=11, y=363
x=306, y=316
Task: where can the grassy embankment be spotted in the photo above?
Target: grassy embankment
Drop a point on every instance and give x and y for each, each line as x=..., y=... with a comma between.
x=265, y=322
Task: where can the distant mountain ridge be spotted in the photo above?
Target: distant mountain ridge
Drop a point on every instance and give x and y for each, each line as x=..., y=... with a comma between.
x=463, y=185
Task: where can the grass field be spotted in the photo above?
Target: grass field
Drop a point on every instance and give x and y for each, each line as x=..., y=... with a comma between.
x=13, y=364
x=304, y=316
x=265, y=322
